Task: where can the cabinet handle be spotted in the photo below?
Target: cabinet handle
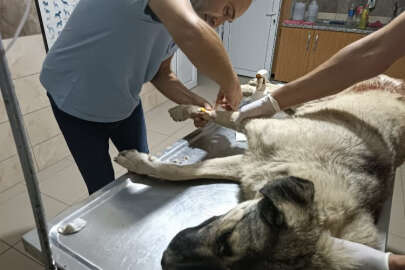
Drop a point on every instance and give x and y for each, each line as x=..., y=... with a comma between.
x=316, y=42
x=308, y=41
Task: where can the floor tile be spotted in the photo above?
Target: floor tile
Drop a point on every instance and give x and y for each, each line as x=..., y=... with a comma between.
x=3, y=247
x=155, y=138
x=10, y=173
x=41, y=125
x=17, y=217
x=26, y=56
x=12, y=192
x=13, y=260
x=118, y=169
x=20, y=248
x=207, y=89
x=31, y=94
x=66, y=185
x=244, y=79
x=50, y=152
x=49, y=172
x=8, y=147
x=159, y=120
x=3, y=112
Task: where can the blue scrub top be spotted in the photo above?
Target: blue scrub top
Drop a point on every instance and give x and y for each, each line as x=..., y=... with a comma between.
x=107, y=50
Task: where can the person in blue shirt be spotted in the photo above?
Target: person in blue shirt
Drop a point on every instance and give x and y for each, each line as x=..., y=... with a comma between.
x=108, y=49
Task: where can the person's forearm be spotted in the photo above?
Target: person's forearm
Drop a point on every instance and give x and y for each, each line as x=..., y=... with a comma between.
x=359, y=61
x=198, y=41
x=205, y=50
x=352, y=64
x=170, y=86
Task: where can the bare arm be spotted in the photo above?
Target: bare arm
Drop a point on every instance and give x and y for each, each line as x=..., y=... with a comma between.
x=200, y=43
x=169, y=85
x=359, y=61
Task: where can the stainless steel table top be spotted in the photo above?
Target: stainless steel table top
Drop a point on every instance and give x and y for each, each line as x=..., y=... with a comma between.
x=131, y=221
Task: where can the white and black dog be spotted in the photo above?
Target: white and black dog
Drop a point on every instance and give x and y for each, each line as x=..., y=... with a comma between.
x=323, y=173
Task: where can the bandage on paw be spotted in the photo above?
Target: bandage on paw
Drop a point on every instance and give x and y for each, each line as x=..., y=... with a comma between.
x=204, y=110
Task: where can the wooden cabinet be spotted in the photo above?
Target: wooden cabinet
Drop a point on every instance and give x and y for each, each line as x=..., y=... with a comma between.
x=325, y=44
x=397, y=70
x=302, y=50
x=292, y=56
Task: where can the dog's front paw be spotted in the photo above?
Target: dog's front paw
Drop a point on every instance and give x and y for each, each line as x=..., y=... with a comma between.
x=248, y=90
x=136, y=162
x=184, y=112
x=180, y=112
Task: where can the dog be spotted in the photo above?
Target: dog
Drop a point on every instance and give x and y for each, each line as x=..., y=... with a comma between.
x=325, y=172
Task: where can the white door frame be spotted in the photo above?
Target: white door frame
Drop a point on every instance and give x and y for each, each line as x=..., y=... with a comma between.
x=175, y=66
x=274, y=14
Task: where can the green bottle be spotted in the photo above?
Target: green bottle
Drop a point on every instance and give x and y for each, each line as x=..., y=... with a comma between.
x=364, y=18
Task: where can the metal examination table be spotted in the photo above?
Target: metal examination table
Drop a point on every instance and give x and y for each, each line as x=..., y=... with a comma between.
x=131, y=221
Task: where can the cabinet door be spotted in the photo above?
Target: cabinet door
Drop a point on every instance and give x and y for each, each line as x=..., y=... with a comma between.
x=326, y=44
x=292, y=56
x=397, y=70
x=250, y=40
x=184, y=69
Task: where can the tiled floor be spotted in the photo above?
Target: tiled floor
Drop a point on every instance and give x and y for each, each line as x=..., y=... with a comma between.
x=62, y=186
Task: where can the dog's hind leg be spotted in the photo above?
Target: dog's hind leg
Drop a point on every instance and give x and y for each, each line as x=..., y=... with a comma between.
x=226, y=168
x=227, y=119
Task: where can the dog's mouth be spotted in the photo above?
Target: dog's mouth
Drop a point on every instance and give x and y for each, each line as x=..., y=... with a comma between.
x=172, y=262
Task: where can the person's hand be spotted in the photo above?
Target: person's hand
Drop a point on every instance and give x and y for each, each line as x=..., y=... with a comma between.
x=267, y=106
x=230, y=97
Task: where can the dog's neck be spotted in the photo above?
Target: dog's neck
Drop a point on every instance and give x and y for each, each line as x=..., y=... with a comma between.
x=325, y=254
x=330, y=255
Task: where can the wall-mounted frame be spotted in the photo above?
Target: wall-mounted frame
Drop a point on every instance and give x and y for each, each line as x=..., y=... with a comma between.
x=53, y=15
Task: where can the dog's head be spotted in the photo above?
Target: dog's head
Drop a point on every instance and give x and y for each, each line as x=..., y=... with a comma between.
x=254, y=234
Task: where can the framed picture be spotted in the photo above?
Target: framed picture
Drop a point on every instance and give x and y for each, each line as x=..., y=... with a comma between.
x=53, y=15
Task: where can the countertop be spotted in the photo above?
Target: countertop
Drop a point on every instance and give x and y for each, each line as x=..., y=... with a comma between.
x=332, y=27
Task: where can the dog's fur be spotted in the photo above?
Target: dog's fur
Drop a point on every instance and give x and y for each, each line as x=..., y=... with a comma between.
x=324, y=172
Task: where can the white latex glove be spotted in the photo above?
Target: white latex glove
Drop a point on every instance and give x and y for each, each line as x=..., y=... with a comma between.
x=369, y=258
x=267, y=106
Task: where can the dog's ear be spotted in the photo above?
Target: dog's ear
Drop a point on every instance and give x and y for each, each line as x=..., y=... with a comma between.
x=270, y=213
x=293, y=189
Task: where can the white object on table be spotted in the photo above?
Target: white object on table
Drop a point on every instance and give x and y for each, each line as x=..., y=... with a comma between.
x=240, y=137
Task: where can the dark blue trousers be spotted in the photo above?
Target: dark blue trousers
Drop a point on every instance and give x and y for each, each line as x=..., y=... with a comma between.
x=88, y=143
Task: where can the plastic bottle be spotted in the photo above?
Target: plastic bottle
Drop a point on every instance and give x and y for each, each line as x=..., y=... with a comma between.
x=359, y=11
x=364, y=18
x=313, y=11
x=299, y=11
x=350, y=21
